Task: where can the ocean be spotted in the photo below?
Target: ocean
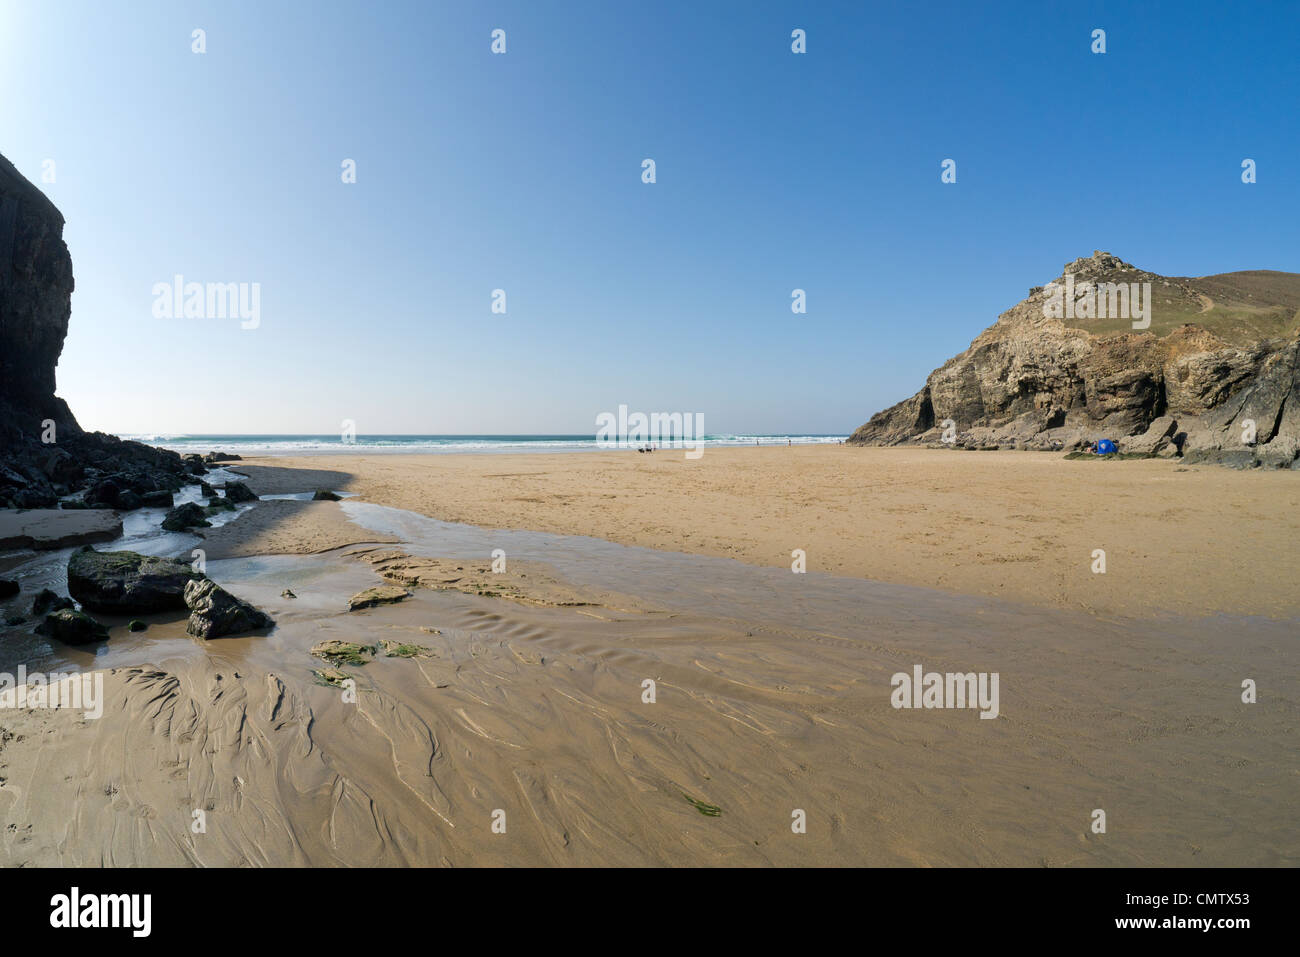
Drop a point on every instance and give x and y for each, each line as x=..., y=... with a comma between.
x=321, y=444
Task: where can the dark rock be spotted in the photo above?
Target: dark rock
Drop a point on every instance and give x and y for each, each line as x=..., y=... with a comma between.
x=47, y=601
x=73, y=627
x=8, y=588
x=126, y=582
x=102, y=494
x=214, y=612
x=221, y=457
x=34, y=498
x=38, y=465
x=206, y=490
x=159, y=499
x=1233, y=458
x=129, y=501
x=136, y=624
x=184, y=517
x=35, y=304
x=325, y=495
x=239, y=492
x=60, y=466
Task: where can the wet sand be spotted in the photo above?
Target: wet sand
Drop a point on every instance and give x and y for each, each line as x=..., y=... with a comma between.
x=772, y=695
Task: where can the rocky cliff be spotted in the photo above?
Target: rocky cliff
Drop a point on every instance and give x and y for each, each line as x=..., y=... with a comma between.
x=35, y=304
x=1213, y=376
x=39, y=465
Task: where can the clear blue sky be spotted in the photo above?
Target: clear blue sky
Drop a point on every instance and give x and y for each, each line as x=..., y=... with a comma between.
x=523, y=172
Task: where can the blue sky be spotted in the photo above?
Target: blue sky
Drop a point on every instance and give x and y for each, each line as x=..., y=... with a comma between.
x=522, y=171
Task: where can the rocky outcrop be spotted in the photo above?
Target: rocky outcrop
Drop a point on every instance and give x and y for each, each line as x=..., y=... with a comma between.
x=1214, y=378
x=127, y=582
x=214, y=612
x=44, y=454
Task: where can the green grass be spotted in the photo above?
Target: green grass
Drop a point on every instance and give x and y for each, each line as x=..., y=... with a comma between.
x=1247, y=307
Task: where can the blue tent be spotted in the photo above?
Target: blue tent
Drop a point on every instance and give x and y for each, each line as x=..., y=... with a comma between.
x=1105, y=447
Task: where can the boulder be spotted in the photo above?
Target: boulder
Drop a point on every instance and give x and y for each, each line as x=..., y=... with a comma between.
x=60, y=466
x=103, y=494
x=159, y=499
x=129, y=501
x=1280, y=453
x=127, y=582
x=1155, y=438
x=325, y=495
x=184, y=517
x=214, y=612
x=8, y=588
x=72, y=627
x=239, y=492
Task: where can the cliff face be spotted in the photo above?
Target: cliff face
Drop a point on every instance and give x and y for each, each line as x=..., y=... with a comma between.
x=35, y=305
x=38, y=468
x=1215, y=377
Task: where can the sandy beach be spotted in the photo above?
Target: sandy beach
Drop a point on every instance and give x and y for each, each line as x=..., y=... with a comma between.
x=518, y=728
x=1188, y=540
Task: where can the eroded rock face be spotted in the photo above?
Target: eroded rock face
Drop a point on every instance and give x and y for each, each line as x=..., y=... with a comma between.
x=1216, y=375
x=214, y=612
x=127, y=583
